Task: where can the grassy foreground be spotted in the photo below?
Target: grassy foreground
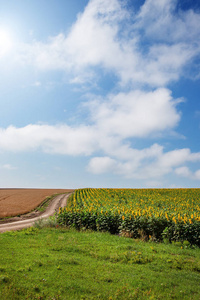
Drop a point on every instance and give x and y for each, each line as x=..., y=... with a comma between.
x=57, y=263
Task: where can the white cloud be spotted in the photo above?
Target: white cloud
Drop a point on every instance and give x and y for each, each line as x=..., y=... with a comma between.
x=120, y=116
x=175, y=158
x=186, y=172
x=150, y=165
x=183, y=171
x=118, y=157
x=7, y=167
x=104, y=35
x=162, y=20
x=135, y=114
x=168, y=162
x=197, y=174
x=99, y=165
x=60, y=139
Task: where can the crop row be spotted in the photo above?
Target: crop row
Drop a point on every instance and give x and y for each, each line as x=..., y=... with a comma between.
x=169, y=214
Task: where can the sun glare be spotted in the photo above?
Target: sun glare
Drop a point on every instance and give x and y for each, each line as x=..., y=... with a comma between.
x=5, y=42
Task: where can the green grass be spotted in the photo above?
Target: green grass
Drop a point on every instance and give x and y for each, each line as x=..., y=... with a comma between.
x=57, y=263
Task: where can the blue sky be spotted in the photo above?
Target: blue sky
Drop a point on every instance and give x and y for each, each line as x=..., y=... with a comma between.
x=99, y=93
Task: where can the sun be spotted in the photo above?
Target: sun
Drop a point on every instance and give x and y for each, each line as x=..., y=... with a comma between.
x=5, y=42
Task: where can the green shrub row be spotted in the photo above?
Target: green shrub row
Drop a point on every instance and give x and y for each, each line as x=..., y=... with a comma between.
x=159, y=229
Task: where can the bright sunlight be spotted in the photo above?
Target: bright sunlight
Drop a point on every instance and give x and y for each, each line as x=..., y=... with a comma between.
x=5, y=42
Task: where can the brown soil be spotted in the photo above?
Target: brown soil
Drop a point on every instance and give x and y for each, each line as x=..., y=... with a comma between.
x=27, y=220
x=15, y=202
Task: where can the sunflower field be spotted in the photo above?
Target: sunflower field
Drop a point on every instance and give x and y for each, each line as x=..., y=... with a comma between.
x=156, y=214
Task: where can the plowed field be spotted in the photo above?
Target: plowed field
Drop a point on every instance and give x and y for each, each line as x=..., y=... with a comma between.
x=20, y=201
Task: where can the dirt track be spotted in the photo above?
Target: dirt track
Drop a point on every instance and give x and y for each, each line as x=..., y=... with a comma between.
x=58, y=201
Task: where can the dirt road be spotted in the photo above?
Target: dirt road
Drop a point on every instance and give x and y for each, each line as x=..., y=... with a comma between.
x=58, y=201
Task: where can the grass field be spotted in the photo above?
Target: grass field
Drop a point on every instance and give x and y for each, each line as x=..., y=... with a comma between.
x=19, y=201
x=57, y=263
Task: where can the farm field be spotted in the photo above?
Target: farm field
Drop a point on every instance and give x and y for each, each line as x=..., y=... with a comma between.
x=20, y=201
x=159, y=214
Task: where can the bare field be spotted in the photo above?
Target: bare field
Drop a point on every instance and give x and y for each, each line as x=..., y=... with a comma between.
x=20, y=201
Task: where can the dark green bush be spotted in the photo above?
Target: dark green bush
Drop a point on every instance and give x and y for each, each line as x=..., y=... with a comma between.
x=159, y=228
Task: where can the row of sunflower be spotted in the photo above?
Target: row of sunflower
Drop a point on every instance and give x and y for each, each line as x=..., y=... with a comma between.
x=172, y=214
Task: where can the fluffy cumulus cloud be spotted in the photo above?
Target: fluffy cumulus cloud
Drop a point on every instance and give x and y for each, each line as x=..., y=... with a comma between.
x=60, y=139
x=136, y=113
x=186, y=172
x=121, y=116
x=118, y=156
x=159, y=21
x=150, y=163
x=108, y=36
x=99, y=165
